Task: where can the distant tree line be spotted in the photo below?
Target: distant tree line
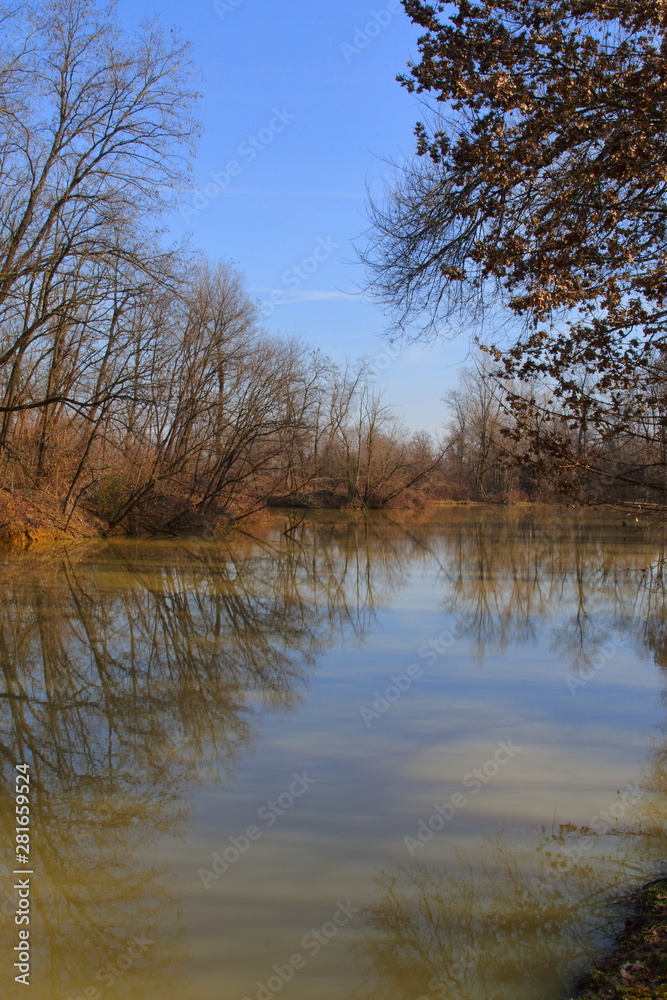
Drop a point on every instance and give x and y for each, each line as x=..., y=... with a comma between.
x=493, y=447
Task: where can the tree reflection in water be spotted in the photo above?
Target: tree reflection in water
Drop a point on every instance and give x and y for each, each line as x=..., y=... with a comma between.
x=131, y=672
x=134, y=671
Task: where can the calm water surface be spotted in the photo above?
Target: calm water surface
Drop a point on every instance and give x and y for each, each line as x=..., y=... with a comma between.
x=384, y=757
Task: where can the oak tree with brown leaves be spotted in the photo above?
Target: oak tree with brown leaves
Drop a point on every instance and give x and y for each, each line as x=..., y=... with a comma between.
x=540, y=189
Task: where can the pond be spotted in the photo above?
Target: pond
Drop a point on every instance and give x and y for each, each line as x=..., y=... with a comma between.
x=383, y=756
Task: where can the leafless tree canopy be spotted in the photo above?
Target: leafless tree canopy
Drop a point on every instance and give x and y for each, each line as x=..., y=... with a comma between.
x=137, y=380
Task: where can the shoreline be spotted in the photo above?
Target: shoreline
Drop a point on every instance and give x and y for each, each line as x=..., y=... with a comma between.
x=29, y=518
x=35, y=518
x=636, y=967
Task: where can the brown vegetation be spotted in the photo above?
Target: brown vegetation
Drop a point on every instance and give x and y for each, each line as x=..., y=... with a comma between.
x=138, y=391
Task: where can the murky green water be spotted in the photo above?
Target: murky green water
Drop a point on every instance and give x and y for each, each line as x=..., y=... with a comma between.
x=385, y=757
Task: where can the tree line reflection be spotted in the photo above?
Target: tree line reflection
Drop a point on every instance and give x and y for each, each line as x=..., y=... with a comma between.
x=133, y=671
x=538, y=910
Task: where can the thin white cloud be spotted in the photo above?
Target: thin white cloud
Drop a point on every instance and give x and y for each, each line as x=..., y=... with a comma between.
x=293, y=194
x=311, y=295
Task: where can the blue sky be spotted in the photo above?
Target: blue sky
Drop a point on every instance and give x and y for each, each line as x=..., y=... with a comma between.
x=301, y=112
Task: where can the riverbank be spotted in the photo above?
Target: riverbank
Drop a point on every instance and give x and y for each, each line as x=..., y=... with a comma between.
x=36, y=517
x=636, y=969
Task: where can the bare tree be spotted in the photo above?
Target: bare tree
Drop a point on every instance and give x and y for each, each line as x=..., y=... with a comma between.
x=93, y=127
